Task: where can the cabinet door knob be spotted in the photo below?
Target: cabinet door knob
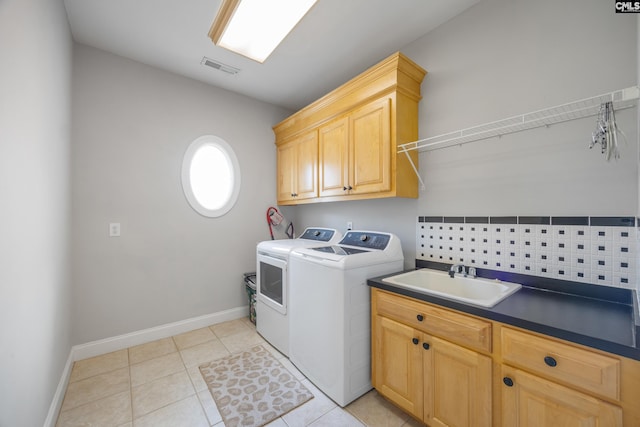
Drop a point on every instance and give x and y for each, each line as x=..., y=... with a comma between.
x=415, y=341
x=344, y=188
x=550, y=361
x=350, y=188
x=507, y=381
x=425, y=345
x=420, y=317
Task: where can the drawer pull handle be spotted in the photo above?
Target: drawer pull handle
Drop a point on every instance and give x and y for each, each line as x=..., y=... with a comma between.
x=507, y=381
x=415, y=341
x=425, y=345
x=550, y=361
x=420, y=317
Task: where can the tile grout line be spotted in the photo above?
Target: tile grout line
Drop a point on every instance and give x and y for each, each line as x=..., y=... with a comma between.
x=130, y=384
x=186, y=368
x=97, y=399
x=195, y=393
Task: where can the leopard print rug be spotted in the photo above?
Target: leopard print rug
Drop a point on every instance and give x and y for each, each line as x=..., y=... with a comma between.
x=252, y=388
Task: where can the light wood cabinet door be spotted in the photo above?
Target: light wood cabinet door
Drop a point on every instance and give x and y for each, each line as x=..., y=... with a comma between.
x=334, y=158
x=370, y=148
x=397, y=364
x=355, y=152
x=306, y=171
x=297, y=168
x=530, y=401
x=457, y=389
x=286, y=159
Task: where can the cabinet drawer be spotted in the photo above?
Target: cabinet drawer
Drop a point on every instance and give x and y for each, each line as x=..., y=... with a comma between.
x=585, y=369
x=458, y=328
x=533, y=401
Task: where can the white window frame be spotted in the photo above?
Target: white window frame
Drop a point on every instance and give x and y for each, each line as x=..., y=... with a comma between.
x=187, y=188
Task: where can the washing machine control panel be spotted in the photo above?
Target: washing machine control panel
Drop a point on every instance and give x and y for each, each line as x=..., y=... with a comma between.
x=365, y=239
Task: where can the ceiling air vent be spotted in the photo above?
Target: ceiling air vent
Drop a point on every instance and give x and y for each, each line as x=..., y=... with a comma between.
x=219, y=66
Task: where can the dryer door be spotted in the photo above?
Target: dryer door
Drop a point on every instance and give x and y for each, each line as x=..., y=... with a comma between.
x=272, y=282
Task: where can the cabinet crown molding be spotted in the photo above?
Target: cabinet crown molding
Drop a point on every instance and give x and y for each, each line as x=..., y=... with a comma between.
x=397, y=73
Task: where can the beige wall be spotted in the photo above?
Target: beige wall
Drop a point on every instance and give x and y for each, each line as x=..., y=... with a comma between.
x=34, y=207
x=502, y=58
x=132, y=125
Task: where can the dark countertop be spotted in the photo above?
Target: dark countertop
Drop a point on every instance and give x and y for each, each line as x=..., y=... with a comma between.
x=608, y=324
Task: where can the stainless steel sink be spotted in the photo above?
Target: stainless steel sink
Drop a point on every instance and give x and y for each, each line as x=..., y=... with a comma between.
x=476, y=291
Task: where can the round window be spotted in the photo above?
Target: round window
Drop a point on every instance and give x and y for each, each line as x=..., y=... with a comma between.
x=210, y=176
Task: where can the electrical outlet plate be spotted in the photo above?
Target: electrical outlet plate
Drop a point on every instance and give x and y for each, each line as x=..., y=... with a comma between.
x=349, y=225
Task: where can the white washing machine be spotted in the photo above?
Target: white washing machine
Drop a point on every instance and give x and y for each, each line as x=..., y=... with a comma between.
x=272, y=277
x=330, y=316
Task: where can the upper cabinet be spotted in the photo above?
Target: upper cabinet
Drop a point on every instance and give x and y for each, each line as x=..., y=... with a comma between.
x=356, y=129
x=298, y=168
x=355, y=152
x=333, y=156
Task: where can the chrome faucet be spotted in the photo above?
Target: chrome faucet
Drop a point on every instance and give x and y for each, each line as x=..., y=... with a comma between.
x=456, y=268
x=460, y=268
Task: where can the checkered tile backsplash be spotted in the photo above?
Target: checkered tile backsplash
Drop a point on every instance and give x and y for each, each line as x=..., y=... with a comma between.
x=599, y=250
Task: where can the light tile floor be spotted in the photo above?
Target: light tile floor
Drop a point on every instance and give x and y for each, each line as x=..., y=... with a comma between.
x=159, y=384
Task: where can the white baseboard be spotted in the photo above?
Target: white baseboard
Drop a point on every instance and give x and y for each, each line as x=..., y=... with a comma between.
x=107, y=345
x=56, y=403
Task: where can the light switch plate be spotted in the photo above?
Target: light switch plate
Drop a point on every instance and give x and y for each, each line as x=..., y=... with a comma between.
x=114, y=229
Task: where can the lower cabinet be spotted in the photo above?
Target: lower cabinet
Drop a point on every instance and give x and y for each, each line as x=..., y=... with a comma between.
x=402, y=380
x=531, y=401
x=436, y=381
x=448, y=368
x=459, y=390
x=549, y=383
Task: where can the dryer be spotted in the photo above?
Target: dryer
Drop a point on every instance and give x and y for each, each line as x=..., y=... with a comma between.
x=272, y=277
x=330, y=316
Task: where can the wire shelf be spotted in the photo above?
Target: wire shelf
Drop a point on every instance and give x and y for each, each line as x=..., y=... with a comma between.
x=624, y=98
